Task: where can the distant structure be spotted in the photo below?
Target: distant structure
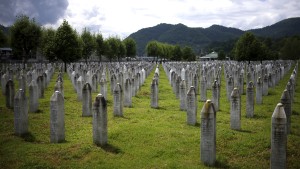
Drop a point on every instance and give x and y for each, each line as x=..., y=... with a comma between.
x=211, y=56
x=5, y=53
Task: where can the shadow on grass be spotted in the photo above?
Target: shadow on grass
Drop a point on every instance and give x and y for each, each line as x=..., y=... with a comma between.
x=295, y=112
x=221, y=164
x=86, y=116
x=28, y=137
x=160, y=108
x=244, y=131
x=255, y=116
x=37, y=112
x=31, y=165
x=197, y=125
x=294, y=133
x=111, y=149
x=123, y=117
x=271, y=92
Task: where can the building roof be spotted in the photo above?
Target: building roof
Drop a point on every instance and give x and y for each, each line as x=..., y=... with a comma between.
x=5, y=49
x=212, y=55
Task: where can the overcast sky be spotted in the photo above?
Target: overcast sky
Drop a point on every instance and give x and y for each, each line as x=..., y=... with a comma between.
x=123, y=17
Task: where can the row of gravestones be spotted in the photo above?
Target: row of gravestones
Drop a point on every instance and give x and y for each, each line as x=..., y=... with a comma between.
x=134, y=73
x=19, y=102
x=97, y=110
x=208, y=114
x=281, y=123
x=213, y=71
x=34, y=80
x=122, y=90
x=154, y=89
x=261, y=76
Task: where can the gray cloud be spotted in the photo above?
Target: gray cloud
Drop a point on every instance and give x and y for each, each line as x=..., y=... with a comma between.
x=93, y=13
x=44, y=11
x=244, y=15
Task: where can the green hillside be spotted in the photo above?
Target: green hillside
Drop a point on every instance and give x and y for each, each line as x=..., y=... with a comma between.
x=199, y=38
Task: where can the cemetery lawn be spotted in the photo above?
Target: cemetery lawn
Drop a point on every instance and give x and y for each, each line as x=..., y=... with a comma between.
x=146, y=137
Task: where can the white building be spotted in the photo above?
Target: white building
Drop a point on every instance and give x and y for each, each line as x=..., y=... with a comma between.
x=211, y=56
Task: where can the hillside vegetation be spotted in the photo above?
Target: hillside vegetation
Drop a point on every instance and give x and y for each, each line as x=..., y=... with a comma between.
x=199, y=38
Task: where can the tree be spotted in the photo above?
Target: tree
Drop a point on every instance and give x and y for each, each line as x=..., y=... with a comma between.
x=25, y=37
x=188, y=54
x=67, y=44
x=122, y=50
x=153, y=49
x=100, y=47
x=249, y=48
x=48, y=44
x=130, y=45
x=3, y=39
x=165, y=50
x=88, y=44
x=168, y=50
x=291, y=48
x=177, y=53
x=221, y=55
x=112, y=48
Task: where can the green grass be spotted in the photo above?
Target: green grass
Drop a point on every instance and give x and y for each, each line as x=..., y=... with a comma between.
x=145, y=137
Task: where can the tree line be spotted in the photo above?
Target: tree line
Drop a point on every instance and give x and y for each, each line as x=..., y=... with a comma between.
x=252, y=48
x=165, y=51
x=64, y=43
x=67, y=45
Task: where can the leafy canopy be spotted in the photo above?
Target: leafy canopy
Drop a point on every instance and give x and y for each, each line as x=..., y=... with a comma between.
x=130, y=46
x=177, y=53
x=112, y=48
x=188, y=54
x=249, y=48
x=25, y=36
x=88, y=44
x=100, y=46
x=221, y=55
x=291, y=48
x=67, y=43
x=48, y=43
x=3, y=39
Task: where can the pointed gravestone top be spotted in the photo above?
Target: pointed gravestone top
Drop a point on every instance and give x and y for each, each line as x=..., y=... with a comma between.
x=285, y=95
x=87, y=86
x=279, y=112
x=250, y=85
x=235, y=92
x=208, y=109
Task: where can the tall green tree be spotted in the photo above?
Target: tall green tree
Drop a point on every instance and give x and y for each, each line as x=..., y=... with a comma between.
x=165, y=50
x=291, y=48
x=130, y=45
x=67, y=44
x=100, y=46
x=88, y=44
x=177, y=53
x=249, y=48
x=25, y=37
x=188, y=54
x=168, y=51
x=122, y=50
x=153, y=48
x=48, y=44
x=221, y=55
x=112, y=48
x=3, y=39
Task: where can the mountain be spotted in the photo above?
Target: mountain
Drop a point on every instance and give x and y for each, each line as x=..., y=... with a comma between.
x=199, y=38
x=287, y=27
x=4, y=29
